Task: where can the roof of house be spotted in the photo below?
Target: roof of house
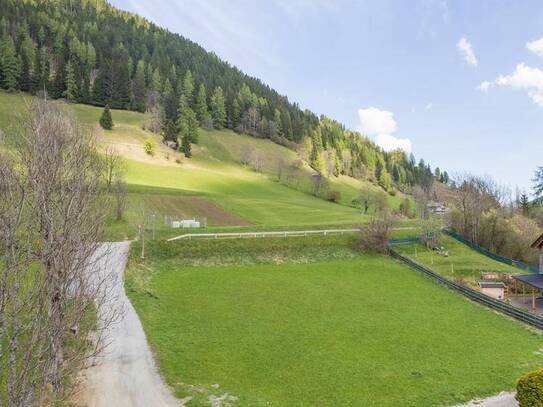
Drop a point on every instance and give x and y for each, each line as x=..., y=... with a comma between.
x=538, y=243
x=535, y=280
x=491, y=284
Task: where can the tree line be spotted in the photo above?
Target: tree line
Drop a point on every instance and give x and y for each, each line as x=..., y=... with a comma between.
x=87, y=51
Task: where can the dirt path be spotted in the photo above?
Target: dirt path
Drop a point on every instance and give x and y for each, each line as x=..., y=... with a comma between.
x=503, y=399
x=126, y=375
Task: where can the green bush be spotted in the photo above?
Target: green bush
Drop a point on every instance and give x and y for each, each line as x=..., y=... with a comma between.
x=530, y=389
x=149, y=147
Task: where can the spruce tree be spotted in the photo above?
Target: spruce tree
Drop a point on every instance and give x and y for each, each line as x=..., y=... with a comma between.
x=315, y=159
x=106, y=121
x=202, y=112
x=71, y=85
x=138, y=87
x=278, y=123
x=185, y=146
x=524, y=203
x=187, y=122
x=188, y=87
x=218, y=109
x=9, y=64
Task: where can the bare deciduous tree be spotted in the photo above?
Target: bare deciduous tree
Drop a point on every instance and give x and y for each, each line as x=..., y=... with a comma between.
x=50, y=246
x=119, y=191
x=376, y=233
x=113, y=166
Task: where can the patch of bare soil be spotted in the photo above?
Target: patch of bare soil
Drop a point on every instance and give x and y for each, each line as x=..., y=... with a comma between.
x=186, y=207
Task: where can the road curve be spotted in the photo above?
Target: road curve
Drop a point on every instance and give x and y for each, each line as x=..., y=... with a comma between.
x=126, y=375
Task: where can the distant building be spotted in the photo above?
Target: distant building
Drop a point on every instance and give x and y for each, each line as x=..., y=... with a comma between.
x=436, y=208
x=538, y=244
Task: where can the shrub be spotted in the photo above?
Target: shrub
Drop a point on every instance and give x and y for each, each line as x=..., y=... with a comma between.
x=374, y=235
x=334, y=196
x=149, y=147
x=530, y=389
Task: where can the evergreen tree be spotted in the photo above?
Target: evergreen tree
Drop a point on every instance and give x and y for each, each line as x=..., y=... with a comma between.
x=202, y=111
x=9, y=64
x=278, y=123
x=156, y=81
x=315, y=159
x=185, y=146
x=218, y=109
x=138, y=87
x=27, y=54
x=187, y=122
x=106, y=121
x=524, y=203
x=71, y=84
x=188, y=87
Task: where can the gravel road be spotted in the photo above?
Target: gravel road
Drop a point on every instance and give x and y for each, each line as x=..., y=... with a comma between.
x=503, y=399
x=126, y=375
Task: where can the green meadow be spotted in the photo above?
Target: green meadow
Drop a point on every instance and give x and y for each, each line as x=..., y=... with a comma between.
x=281, y=328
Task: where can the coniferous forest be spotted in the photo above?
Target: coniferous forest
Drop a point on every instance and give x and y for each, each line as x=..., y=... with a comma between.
x=87, y=51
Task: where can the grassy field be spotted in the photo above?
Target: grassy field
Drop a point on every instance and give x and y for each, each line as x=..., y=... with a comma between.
x=229, y=194
x=462, y=262
x=358, y=330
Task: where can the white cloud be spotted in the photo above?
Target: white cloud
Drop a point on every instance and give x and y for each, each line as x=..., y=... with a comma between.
x=536, y=47
x=466, y=50
x=381, y=124
x=390, y=143
x=525, y=78
x=484, y=86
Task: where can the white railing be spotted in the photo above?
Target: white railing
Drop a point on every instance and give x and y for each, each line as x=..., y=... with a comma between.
x=263, y=234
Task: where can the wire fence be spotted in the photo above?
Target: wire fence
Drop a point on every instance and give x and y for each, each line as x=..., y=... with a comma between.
x=472, y=294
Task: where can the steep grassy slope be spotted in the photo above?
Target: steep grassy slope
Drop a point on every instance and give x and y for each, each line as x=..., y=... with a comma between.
x=214, y=174
x=361, y=331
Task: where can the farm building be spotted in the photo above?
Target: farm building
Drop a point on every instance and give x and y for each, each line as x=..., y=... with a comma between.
x=533, y=283
x=436, y=208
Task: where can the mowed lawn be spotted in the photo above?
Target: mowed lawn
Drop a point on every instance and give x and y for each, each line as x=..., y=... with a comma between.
x=364, y=332
x=462, y=262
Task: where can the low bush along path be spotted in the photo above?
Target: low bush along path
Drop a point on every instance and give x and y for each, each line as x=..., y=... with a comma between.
x=126, y=374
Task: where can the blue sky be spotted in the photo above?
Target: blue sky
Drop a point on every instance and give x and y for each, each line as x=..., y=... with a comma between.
x=460, y=83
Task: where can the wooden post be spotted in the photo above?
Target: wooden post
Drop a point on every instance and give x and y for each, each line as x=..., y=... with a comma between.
x=533, y=298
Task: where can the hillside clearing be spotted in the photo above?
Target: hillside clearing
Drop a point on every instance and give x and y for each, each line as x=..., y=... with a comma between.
x=462, y=262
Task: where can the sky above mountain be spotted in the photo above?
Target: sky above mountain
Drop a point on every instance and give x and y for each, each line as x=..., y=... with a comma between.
x=459, y=83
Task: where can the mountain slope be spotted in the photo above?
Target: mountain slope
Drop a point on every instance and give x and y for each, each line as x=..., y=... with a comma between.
x=90, y=52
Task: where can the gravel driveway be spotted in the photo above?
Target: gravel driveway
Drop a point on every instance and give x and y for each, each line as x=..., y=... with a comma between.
x=126, y=375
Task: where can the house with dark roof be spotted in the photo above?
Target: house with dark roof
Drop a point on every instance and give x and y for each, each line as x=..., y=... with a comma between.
x=533, y=281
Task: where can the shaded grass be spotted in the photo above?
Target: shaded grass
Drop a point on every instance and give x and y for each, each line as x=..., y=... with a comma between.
x=365, y=331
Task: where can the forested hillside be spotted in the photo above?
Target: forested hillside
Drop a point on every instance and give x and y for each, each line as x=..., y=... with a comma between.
x=87, y=51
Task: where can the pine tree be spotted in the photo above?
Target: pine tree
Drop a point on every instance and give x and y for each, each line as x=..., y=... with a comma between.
x=9, y=64
x=71, y=84
x=106, y=121
x=185, y=146
x=218, y=109
x=202, y=111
